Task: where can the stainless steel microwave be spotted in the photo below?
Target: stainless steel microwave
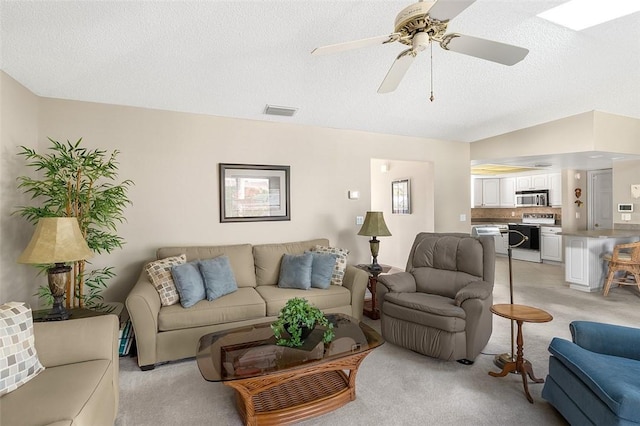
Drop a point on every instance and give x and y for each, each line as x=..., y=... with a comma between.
x=536, y=197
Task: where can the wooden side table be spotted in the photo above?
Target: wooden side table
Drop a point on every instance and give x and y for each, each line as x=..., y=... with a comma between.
x=118, y=309
x=520, y=314
x=370, y=309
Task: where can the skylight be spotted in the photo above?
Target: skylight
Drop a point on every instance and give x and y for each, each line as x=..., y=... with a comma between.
x=580, y=14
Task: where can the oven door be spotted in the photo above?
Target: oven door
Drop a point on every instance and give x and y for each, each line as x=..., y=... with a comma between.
x=532, y=232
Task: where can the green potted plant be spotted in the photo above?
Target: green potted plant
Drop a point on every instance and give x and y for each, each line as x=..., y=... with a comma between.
x=297, y=319
x=75, y=181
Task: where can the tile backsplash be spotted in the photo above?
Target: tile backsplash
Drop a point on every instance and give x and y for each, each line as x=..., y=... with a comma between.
x=511, y=214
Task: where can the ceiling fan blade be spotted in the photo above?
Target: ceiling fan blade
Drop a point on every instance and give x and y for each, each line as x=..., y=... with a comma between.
x=494, y=51
x=445, y=10
x=397, y=71
x=357, y=44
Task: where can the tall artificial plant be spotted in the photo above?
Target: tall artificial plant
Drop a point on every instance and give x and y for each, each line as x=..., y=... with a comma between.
x=76, y=181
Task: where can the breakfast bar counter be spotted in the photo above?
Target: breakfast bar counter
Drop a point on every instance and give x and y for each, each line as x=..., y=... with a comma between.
x=585, y=268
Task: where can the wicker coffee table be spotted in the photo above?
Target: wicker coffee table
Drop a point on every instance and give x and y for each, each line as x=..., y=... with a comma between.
x=279, y=385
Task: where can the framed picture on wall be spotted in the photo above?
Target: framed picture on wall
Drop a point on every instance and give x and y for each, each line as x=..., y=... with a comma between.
x=252, y=193
x=401, y=196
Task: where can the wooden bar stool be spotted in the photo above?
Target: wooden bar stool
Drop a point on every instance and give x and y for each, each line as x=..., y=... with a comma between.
x=625, y=258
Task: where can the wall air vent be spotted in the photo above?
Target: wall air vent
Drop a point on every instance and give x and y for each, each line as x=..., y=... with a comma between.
x=279, y=110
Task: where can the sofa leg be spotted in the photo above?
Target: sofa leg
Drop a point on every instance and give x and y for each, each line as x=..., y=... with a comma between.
x=465, y=361
x=147, y=367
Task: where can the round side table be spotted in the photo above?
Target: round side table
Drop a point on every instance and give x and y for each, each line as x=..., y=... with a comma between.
x=520, y=314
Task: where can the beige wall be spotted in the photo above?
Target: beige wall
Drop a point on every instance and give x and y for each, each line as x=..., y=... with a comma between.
x=571, y=134
x=173, y=157
x=615, y=133
x=625, y=174
x=403, y=227
x=18, y=126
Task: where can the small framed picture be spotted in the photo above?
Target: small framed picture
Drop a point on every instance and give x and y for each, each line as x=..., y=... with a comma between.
x=401, y=196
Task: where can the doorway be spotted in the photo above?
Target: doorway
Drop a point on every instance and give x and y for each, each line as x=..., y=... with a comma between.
x=600, y=199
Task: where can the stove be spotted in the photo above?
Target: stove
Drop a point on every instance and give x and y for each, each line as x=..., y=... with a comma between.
x=529, y=249
x=539, y=218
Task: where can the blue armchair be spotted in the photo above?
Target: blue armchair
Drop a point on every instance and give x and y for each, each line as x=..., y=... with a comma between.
x=596, y=378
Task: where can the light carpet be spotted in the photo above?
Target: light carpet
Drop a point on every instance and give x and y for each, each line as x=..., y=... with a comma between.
x=395, y=386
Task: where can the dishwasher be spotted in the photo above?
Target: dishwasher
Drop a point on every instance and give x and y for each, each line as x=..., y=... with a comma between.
x=551, y=247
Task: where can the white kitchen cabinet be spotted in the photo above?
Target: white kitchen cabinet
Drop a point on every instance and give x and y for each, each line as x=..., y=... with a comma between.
x=555, y=189
x=477, y=192
x=524, y=183
x=508, y=192
x=491, y=192
x=551, y=243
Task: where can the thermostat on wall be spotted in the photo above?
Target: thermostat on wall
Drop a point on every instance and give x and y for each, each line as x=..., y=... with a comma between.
x=625, y=208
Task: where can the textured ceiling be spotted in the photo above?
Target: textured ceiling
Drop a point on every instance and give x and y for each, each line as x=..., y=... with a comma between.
x=231, y=58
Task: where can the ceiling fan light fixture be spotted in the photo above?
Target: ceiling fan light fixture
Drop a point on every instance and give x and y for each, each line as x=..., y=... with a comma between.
x=280, y=110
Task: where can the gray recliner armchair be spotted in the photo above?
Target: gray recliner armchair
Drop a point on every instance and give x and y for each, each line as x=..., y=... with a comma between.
x=440, y=305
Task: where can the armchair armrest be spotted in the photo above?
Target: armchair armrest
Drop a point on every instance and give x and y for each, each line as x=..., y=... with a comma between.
x=474, y=290
x=77, y=340
x=402, y=282
x=607, y=339
x=143, y=304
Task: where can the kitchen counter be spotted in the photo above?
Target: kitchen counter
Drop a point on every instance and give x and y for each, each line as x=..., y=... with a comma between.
x=585, y=269
x=603, y=233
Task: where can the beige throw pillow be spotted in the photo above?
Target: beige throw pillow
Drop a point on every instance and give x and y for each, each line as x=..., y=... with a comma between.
x=341, y=262
x=159, y=273
x=18, y=357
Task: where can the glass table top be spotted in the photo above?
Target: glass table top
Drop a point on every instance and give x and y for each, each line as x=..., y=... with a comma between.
x=251, y=351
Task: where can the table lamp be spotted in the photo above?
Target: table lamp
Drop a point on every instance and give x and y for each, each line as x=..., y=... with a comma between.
x=374, y=226
x=56, y=240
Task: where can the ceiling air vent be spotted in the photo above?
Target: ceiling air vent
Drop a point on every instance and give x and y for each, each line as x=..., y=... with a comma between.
x=279, y=110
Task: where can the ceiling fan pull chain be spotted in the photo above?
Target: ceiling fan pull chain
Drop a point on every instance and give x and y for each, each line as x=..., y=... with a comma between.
x=431, y=65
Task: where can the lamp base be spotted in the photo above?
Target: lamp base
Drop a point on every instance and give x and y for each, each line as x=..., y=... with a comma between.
x=58, y=312
x=58, y=278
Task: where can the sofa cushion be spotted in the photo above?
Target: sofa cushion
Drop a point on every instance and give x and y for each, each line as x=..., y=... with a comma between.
x=159, y=273
x=240, y=257
x=267, y=258
x=189, y=283
x=324, y=299
x=295, y=271
x=322, y=269
x=243, y=304
x=341, y=262
x=613, y=379
x=18, y=357
x=78, y=393
x=218, y=277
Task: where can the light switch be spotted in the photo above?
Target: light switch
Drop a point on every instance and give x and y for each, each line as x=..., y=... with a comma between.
x=463, y=218
x=354, y=195
x=359, y=220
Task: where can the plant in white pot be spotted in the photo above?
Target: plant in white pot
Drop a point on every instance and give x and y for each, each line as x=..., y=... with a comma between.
x=297, y=319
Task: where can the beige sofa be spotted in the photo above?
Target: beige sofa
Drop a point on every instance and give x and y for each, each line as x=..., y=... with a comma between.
x=79, y=385
x=167, y=333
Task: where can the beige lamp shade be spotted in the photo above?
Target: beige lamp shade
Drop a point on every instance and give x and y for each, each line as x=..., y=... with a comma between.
x=56, y=240
x=374, y=225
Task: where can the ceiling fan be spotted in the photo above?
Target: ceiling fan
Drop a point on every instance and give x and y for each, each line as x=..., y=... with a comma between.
x=421, y=24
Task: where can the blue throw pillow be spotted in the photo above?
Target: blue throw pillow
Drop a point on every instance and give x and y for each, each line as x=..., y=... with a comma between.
x=295, y=271
x=218, y=277
x=322, y=269
x=188, y=283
